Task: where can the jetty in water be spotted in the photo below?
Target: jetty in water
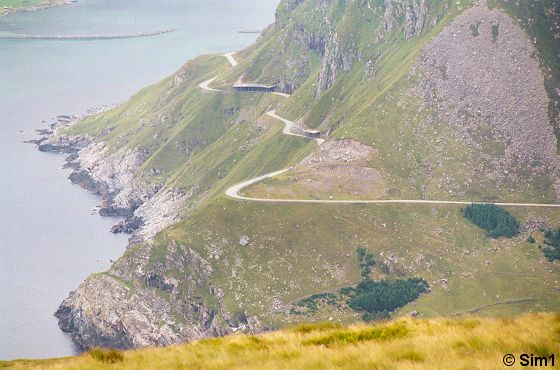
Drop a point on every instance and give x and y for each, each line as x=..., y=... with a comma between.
x=85, y=37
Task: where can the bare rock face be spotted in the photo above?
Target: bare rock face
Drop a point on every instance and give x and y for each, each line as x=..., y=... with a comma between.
x=161, y=210
x=114, y=175
x=151, y=309
x=337, y=58
x=480, y=74
x=415, y=17
x=101, y=313
x=124, y=308
x=392, y=11
x=415, y=13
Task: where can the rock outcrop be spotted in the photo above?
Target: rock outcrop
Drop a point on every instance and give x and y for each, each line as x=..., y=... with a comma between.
x=54, y=140
x=415, y=13
x=136, y=304
x=337, y=58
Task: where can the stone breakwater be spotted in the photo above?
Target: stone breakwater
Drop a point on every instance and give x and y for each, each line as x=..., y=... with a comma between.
x=86, y=37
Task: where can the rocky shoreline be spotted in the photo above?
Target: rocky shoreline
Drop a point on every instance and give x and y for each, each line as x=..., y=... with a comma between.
x=113, y=176
x=123, y=307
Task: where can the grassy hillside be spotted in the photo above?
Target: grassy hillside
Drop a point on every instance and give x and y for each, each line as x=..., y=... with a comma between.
x=7, y=6
x=479, y=343
x=504, y=277
x=21, y=3
x=358, y=71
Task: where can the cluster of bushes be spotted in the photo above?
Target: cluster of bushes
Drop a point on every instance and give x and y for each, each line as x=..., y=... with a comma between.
x=495, y=220
x=311, y=303
x=552, y=241
x=377, y=299
x=366, y=262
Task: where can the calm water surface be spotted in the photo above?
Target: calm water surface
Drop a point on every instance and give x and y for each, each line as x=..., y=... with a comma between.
x=49, y=239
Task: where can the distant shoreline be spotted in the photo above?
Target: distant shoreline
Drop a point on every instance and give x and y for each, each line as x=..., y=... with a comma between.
x=85, y=37
x=49, y=4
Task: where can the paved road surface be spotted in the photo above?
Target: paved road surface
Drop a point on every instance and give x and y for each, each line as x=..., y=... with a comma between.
x=204, y=85
x=231, y=59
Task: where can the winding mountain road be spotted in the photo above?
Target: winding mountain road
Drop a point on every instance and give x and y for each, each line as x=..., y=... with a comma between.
x=204, y=85
x=233, y=191
x=231, y=59
x=288, y=125
x=229, y=56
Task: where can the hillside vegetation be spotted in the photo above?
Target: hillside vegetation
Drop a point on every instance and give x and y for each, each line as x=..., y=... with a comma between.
x=7, y=6
x=447, y=100
x=470, y=343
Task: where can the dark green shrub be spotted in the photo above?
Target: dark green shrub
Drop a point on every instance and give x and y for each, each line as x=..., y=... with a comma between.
x=366, y=262
x=495, y=220
x=552, y=249
x=378, y=298
x=531, y=240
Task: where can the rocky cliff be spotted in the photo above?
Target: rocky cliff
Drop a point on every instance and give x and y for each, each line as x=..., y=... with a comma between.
x=153, y=308
x=115, y=176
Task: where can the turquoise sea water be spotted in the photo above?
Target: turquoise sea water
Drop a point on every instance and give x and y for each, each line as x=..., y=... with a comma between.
x=49, y=239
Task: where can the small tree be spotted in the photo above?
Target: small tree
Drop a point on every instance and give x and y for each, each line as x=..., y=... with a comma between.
x=552, y=249
x=366, y=262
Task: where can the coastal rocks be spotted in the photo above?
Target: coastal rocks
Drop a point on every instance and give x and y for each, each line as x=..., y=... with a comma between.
x=137, y=303
x=158, y=212
x=61, y=144
x=115, y=177
x=104, y=312
x=128, y=226
x=55, y=141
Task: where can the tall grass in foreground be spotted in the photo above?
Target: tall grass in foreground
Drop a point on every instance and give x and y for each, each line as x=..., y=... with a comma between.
x=464, y=343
